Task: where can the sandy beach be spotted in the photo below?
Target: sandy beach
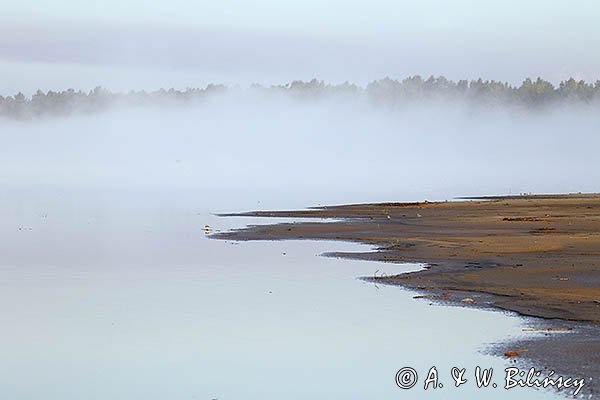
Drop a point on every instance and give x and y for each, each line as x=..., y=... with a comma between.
x=536, y=255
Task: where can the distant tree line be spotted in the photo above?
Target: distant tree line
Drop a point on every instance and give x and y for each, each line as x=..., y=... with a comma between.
x=71, y=101
x=530, y=93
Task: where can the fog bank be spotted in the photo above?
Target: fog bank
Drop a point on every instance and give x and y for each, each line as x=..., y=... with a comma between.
x=247, y=150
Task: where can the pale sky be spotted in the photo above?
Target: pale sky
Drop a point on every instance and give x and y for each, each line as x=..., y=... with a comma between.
x=135, y=44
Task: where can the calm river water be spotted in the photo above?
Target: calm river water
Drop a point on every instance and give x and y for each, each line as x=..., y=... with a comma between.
x=125, y=298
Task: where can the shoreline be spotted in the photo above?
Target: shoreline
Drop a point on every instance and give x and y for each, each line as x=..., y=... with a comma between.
x=536, y=255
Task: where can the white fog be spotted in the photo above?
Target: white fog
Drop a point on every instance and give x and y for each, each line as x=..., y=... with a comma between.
x=241, y=148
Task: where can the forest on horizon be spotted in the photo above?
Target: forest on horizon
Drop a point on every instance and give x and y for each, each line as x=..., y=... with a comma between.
x=489, y=93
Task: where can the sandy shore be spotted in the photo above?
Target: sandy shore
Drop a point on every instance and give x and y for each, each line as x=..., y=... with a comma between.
x=535, y=255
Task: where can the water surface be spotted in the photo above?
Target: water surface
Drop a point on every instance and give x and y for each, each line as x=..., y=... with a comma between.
x=128, y=299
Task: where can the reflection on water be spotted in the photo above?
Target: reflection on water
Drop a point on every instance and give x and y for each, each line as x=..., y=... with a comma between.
x=128, y=299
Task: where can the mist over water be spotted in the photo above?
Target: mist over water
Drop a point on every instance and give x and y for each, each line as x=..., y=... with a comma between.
x=109, y=288
x=240, y=149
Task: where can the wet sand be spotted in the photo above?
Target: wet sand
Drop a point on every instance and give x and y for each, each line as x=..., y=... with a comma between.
x=538, y=256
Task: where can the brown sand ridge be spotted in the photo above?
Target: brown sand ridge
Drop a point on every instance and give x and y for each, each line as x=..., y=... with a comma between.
x=536, y=255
